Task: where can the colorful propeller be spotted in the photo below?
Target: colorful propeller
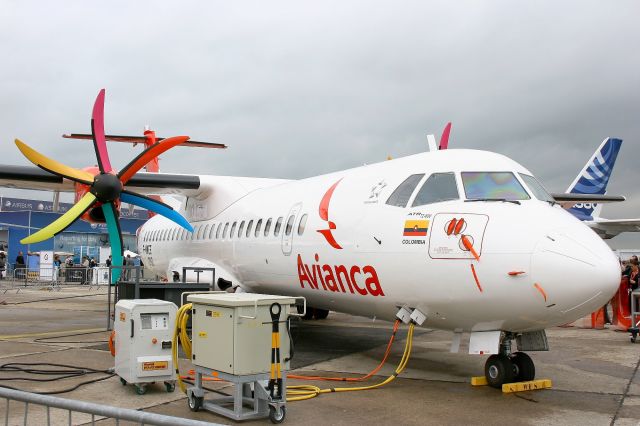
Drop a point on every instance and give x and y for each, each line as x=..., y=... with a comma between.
x=105, y=187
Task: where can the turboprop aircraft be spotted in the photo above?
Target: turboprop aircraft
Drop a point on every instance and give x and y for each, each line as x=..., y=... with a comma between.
x=454, y=239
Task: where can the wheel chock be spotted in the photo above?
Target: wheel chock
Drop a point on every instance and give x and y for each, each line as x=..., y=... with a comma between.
x=479, y=381
x=526, y=386
x=515, y=387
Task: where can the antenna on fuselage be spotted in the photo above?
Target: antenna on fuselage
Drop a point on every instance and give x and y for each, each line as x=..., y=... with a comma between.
x=431, y=141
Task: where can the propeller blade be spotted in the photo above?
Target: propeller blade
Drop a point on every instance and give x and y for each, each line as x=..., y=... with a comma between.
x=155, y=206
x=115, y=238
x=97, y=130
x=54, y=166
x=149, y=154
x=62, y=222
x=444, y=139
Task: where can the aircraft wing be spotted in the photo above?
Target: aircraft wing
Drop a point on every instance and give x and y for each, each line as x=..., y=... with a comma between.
x=567, y=200
x=609, y=228
x=28, y=177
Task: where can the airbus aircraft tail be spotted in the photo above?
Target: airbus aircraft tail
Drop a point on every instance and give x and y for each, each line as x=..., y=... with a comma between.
x=594, y=177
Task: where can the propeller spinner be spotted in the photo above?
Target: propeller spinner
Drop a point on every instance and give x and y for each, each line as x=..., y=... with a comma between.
x=106, y=187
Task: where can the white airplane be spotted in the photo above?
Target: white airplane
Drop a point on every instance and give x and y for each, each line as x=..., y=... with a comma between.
x=455, y=239
x=593, y=179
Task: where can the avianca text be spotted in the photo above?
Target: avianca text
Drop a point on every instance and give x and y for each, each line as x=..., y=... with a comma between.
x=339, y=278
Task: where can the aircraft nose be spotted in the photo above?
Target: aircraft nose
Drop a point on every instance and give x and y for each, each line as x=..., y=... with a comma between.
x=577, y=271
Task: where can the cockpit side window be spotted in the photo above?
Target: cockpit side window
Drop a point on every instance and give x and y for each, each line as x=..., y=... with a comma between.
x=438, y=187
x=536, y=188
x=400, y=197
x=493, y=186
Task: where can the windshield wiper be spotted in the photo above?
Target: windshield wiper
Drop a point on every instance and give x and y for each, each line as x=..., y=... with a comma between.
x=504, y=200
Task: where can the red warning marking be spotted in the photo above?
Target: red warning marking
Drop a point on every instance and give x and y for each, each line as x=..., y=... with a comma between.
x=452, y=226
x=469, y=246
x=475, y=277
x=514, y=273
x=459, y=226
x=541, y=290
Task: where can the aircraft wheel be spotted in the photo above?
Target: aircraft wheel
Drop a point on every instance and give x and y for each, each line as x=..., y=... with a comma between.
x=321, y=314
x=309, y=314
x=498, y=370
x=523, y=366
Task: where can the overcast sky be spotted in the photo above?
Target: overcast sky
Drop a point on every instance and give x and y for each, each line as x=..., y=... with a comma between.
x=304, y=88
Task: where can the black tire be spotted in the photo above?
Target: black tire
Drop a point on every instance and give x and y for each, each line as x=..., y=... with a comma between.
x=141, y=390
x=321, y=314
x=123, y=381
x=195, y=402
x=309, y=314
x=277, y=415
x=498, y=370
x=524, y=369
x=170, y=386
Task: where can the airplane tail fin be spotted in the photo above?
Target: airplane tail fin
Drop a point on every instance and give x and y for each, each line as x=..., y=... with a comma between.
x=594, y=177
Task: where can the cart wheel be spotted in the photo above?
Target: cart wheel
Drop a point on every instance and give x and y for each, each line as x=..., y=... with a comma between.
x=195, y=402
x=277, y=415
x=632, y=338
x=141, y=390
x=123, y=381
x=170, y=386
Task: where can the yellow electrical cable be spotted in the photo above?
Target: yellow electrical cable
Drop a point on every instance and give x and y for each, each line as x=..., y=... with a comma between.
x=302, y=392
x=180, y=335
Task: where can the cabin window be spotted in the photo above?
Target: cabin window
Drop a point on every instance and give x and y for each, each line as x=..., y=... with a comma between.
x=218, y=231
x=258, y=226
x=438, y=187
x=302, y=224
x=536, y=188
x=205, y=234
x=199, y=232
x=211, y=231
x=233, y=230
x=400, y=197
x=289, y=227
x=240, y=229
x=276, y=229
x=226, y=227
x=267, y=226
x=249, y=226
x=182, y=233
x=164, y=234
x=493, y=186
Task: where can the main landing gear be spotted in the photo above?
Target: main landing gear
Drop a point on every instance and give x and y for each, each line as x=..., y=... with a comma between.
x=314, y=313
x=508, y=367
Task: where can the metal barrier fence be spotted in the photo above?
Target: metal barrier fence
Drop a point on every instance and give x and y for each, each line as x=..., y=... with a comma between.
x=88, y=412
x=55, y=277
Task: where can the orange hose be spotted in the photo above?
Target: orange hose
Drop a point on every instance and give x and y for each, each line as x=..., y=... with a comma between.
x=112, y=344
x=396, y=325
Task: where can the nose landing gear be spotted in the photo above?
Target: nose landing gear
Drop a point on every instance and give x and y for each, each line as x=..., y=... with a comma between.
x=508, y=367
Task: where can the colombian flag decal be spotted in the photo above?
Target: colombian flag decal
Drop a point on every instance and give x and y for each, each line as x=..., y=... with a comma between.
x=415, y=228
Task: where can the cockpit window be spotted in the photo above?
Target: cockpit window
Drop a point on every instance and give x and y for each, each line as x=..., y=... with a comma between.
x=400, y=197
x=536, y=188
x=493, y=186
x=438, y=187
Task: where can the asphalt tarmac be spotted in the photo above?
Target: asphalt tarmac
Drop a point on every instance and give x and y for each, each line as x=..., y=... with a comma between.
x=594, y=372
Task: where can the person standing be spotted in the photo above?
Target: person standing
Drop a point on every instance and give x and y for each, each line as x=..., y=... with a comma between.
x=56, y=267
x=3, y=265
x=20, y=265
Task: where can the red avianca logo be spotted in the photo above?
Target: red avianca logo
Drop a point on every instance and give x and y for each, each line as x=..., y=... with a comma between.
x=323, y=210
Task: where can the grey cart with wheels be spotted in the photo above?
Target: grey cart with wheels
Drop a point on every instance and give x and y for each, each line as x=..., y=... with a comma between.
x=635, y=315
x=242, y=338
x=250, y=399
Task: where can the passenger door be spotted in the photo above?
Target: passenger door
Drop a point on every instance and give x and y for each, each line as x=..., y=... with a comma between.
x=289, y=229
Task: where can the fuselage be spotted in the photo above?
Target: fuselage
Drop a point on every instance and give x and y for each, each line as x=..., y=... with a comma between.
x=467, y=237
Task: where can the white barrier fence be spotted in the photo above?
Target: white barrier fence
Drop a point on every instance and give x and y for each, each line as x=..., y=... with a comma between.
x=54, y=277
